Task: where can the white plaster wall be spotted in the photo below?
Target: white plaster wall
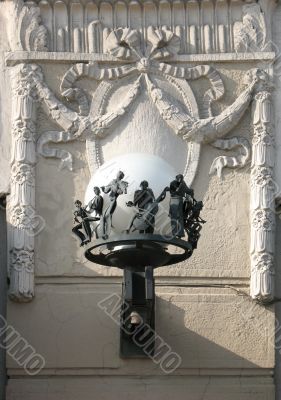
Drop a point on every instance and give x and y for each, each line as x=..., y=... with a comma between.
x=210, y=328
x=218, y=335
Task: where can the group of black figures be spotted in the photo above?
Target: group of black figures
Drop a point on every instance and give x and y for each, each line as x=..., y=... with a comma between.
x=184, y=211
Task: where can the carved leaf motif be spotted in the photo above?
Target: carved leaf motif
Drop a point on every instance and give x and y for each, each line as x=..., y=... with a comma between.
x=178, y=119
x=22, y=260
x=22, y=173
x=262, y=219
x=262, y=177
x=209, y=129
x=250, y=34
x=264, y=262
x=32, y=34
x=262, y=273
x=22, y=217
x=262, y=112
x=164, y=43
x=263, y=193
x=124, y=43
x=100, y=124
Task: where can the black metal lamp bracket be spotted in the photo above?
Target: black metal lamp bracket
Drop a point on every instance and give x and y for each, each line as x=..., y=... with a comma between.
x=137, y=314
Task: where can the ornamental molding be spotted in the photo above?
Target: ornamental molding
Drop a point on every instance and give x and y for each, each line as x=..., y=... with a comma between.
x=29, y=33
x=21, y=204
x=263, y=193
x=250, y=33
x=143, y=63
x=93, y=27
x=141, y=75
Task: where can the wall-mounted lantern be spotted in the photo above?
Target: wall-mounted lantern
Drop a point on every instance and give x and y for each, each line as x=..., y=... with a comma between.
x=139, y=215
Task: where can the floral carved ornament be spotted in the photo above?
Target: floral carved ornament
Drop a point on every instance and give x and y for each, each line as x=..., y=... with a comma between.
x=144, y=65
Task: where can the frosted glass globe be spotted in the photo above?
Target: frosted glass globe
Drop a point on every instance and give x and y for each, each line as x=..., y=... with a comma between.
x=136, y=167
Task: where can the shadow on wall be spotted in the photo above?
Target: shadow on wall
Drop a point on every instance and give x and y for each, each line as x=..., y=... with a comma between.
x=208, y=328
x=78, y=338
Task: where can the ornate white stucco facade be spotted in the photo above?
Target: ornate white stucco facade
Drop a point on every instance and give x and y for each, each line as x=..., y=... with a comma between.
x=196, y=83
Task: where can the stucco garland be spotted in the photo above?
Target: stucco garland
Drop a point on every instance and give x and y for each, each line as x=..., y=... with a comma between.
x=29, y=86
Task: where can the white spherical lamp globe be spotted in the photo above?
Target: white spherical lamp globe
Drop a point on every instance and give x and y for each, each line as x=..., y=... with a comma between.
x=137, y=167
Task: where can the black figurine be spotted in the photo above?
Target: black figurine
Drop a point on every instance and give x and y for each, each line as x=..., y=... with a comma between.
x=144, y=220
x=180, y=194
x=81, y=213
x=184, y=211
x=114, y=188
x=193, y=222
x=142, y=197
x=95, y=205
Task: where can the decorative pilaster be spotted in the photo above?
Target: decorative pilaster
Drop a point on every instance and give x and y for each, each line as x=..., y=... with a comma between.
x=262, y=205
x=22, y=218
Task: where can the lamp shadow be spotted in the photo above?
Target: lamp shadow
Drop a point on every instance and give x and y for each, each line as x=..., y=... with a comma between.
x=209, y=338
x=208, y=334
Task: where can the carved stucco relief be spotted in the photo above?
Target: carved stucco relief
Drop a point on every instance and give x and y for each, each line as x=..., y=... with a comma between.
x=29, y=33
x=21, y=204
x=142, y=66
x=91, y=27
x=208, y=27
x=144, y=69
x=250, y=33
x=263, y=191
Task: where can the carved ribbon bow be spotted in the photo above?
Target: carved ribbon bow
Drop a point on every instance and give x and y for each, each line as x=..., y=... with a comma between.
x=144, y=62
